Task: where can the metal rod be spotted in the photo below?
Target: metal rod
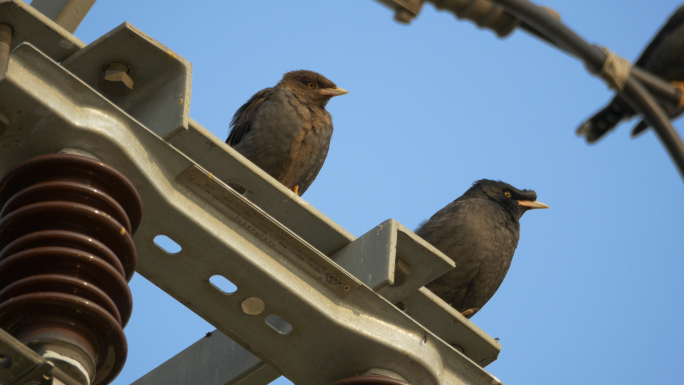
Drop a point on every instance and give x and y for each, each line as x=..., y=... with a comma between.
x=660, y=88
x=637, y=95
x=593, y=59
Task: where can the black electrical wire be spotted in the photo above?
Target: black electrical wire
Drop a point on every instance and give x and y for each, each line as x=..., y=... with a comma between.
x=634, y=92
x=637, y=95
x=659, y=87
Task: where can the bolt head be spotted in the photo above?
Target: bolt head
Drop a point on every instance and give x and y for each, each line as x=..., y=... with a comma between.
x=115, y=80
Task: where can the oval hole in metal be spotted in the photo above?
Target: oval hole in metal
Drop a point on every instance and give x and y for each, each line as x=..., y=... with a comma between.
x=167, y=244
x=5, y=361
x=222, y=284
x=239, y=188
x=278, y=324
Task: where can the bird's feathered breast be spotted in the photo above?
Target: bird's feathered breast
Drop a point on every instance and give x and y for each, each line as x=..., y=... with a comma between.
x=469, y=221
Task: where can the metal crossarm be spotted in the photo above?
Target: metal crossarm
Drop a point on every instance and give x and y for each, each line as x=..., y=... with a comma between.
x=312, y=302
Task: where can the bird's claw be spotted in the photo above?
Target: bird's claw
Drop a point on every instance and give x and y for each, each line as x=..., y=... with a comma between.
x=295, y=189
x=469, y=312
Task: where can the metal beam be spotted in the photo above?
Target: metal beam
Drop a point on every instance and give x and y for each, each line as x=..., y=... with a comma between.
x=66, y=13
x=295, y=308
x=213, y=360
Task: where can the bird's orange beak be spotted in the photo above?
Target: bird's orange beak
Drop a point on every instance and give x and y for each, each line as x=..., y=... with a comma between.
x=533, y=204
x=333, y=91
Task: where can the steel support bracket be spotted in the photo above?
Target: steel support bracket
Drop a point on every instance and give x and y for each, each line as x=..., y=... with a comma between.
x=160, y=98
x=393, y=261
x=67, y=13
x=20, y=365
x=371, y=258
x=29, y=25
x=273, y=246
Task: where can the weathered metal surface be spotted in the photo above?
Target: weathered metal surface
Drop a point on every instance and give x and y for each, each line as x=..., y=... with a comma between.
x=372, y=259
x=160, y=99
x=448, y=324
x=30, y=25
x=66, y=13
x=226, y=164
x=268, y=231
x=392, y=260
x=230, y=364
x=345, y=331
x=19, y=365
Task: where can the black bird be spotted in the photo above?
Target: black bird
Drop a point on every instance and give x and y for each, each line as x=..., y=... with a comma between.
x=285, y=130
x=664, y=57
x=479, y=231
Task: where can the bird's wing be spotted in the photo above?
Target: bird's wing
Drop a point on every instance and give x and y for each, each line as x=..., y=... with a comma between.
x=240, y=124
x=672, y=23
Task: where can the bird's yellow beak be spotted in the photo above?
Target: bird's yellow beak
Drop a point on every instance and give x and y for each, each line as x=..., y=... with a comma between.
x=333, y=91
x=533, y=204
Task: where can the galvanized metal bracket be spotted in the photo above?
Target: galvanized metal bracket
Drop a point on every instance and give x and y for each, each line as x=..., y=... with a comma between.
x=29, y=25
x=371, y=258
x=20, y=365
x=393, y=261
x=213, y=360
x=455, y=329
x=67, y=13
x=226, y=164
x=160, y=98
x=274, y=247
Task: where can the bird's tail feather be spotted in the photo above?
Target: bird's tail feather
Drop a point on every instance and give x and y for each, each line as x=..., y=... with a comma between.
x=670, y=110
x=639, y=128
x=605, y=120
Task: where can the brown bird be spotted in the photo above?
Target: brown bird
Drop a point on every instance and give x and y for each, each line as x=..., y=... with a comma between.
x=285, y=130
x=479, y=231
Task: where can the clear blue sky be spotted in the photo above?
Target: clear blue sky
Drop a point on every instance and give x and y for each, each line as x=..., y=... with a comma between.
x=594, y=295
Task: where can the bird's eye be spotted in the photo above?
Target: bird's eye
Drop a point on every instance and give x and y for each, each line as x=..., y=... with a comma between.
x=507, y=194
x=311, y=85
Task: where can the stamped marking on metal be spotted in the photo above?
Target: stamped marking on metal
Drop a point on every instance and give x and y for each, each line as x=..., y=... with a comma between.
x=269, y=231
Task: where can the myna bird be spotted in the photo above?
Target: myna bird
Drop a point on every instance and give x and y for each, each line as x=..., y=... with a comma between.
x=663, y=57
x=479, y=231
x=285, y=130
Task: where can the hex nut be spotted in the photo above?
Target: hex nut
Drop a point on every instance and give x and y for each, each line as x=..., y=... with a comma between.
x=115, y=80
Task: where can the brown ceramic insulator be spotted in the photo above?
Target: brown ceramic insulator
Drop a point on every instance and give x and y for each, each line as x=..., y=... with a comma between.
x=55, y=283
x=370, y=380
x=67, y=192
x=72, y=217
x=55, y=316
x=71, y=263
x=66, y=254
x=73, y=168
x=68, y=239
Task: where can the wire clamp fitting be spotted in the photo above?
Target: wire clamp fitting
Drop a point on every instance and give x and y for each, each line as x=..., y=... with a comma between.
x=615, y=70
